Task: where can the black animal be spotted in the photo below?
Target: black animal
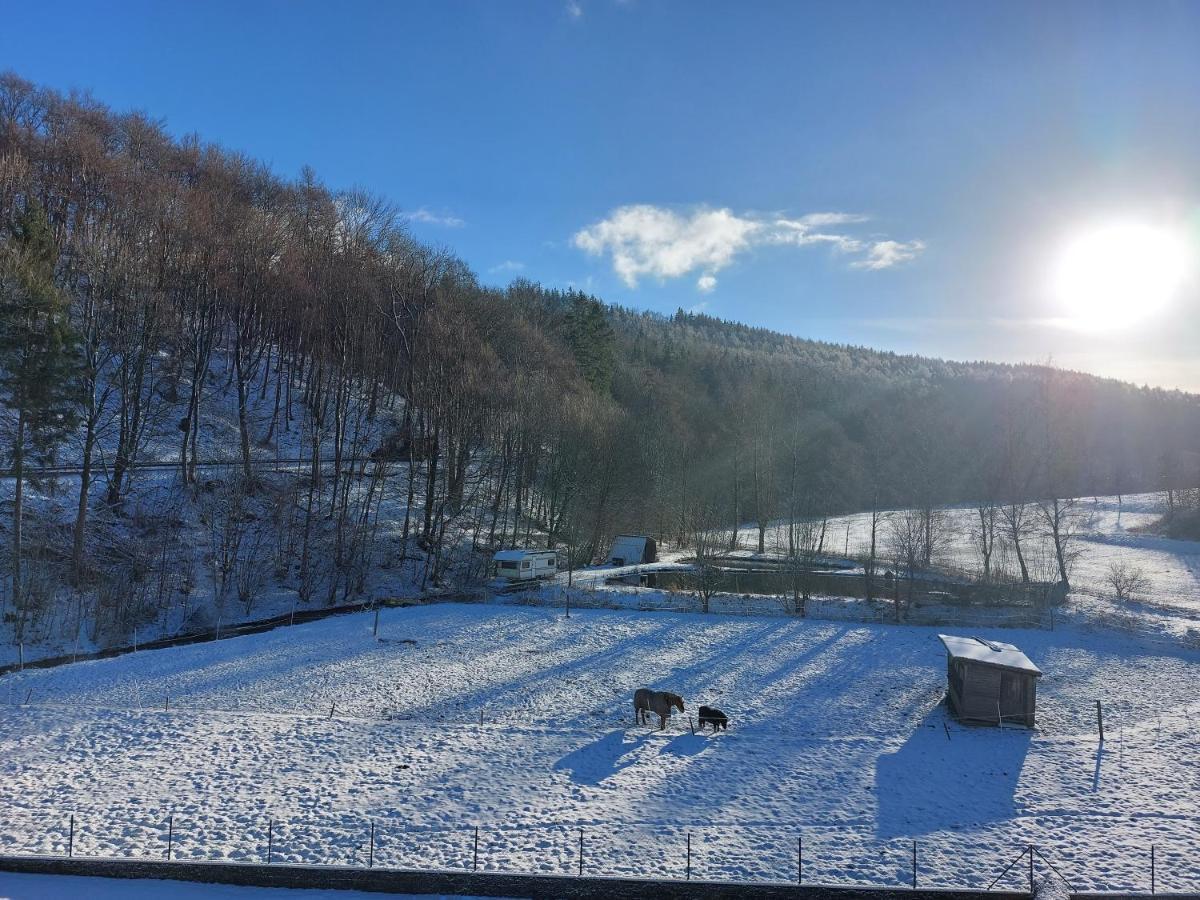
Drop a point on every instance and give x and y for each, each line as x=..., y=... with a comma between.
x=710, y=715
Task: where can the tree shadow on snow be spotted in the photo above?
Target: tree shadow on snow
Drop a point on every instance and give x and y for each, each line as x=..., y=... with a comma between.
x=943, y=779
x=606, y=756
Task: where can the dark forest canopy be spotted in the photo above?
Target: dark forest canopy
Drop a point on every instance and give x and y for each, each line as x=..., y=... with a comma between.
x=525, y=405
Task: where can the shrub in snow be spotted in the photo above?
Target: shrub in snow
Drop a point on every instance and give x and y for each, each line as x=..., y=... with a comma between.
x=1128, y=582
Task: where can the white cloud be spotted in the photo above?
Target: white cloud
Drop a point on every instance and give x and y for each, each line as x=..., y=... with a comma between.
x=427, y=217
x=885, y=254
x=574, y=10
x=651, y=241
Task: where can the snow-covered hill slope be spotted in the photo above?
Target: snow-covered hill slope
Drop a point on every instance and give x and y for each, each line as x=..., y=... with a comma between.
x=1109, y=534
x=837, y=735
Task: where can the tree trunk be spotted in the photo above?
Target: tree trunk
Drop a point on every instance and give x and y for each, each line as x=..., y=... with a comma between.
x=243, y=425
x=81, y=513
x=18, y=500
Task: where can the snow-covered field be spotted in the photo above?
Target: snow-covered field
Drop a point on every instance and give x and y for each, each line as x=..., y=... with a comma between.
x=837, y=736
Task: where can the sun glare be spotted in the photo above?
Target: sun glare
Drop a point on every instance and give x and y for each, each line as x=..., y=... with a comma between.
x=1116, y=275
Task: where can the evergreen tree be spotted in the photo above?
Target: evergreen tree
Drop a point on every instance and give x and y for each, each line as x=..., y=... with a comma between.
x=38, y=357
x=591, y=340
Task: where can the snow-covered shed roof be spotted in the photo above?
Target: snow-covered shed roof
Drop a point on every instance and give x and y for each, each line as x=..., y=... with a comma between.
x=992, y=653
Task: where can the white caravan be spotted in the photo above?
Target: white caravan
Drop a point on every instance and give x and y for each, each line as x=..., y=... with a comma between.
x=523, y=565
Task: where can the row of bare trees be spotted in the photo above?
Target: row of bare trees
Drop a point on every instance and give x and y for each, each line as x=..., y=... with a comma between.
x=216, y=310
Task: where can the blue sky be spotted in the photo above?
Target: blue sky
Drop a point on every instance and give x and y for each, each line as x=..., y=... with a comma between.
x=901, y=175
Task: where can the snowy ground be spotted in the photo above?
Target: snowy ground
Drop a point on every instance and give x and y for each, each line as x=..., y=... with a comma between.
x=837, y=736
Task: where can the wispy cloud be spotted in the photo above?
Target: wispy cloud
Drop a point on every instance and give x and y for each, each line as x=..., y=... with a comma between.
x=652, y=241
x=885, y=254
x=574, y=9
x=509, y=265
x=428, y=217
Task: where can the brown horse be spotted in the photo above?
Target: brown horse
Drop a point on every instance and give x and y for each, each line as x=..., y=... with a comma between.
x=657, y=702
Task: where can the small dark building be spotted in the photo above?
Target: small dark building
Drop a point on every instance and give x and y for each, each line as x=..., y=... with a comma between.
x=990, y=681
x=632, y=550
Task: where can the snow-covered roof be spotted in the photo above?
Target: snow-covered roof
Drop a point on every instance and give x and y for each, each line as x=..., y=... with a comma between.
x=993, y=653
x=518, y=555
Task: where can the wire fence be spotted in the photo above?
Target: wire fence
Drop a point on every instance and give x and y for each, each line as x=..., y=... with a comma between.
x=818, y=606
x=737, y=853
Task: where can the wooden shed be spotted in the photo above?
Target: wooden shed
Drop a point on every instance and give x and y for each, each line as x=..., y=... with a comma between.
x=990, y=681
x=632, y=550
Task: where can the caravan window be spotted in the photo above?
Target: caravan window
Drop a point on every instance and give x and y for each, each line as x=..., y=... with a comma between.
x=525, y=564
x=508, y=565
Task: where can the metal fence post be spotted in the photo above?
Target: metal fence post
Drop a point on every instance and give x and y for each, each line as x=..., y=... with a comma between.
x=1031, y=870
x=170, y=834
x=270, y=839
x=580, y=852
x=800, y=859
x=1152, y=885
x=914, y=865
x=475, y=868
x=689, y=856
x=71, y=838
x=1100, y=720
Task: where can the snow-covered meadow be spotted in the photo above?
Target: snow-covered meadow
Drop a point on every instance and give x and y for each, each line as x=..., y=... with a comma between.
x=837, y=736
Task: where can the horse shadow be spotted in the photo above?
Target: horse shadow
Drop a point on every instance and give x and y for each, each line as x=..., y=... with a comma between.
x=604, y=757
x=685, y=745
x=943, y=778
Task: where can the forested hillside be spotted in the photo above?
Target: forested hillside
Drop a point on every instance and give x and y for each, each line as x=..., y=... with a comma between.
x=168, y=301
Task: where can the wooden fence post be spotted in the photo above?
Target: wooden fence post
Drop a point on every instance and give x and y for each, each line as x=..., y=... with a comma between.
x=71, y=838
x=371, y=851
x=800, y=859
x=170, y=834
x=1100, y=720
x=476, y=864
x=270, y=839
x=689, y=856
x=580, y=852
x=21, y=656
x=1152, y=885
x=1031, y=870
x=914, y=865
x=375, y=633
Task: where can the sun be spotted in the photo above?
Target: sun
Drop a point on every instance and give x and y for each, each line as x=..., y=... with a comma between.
x=1115, y=275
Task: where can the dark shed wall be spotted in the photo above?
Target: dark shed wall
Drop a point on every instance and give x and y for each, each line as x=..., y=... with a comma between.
x=985, y=693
